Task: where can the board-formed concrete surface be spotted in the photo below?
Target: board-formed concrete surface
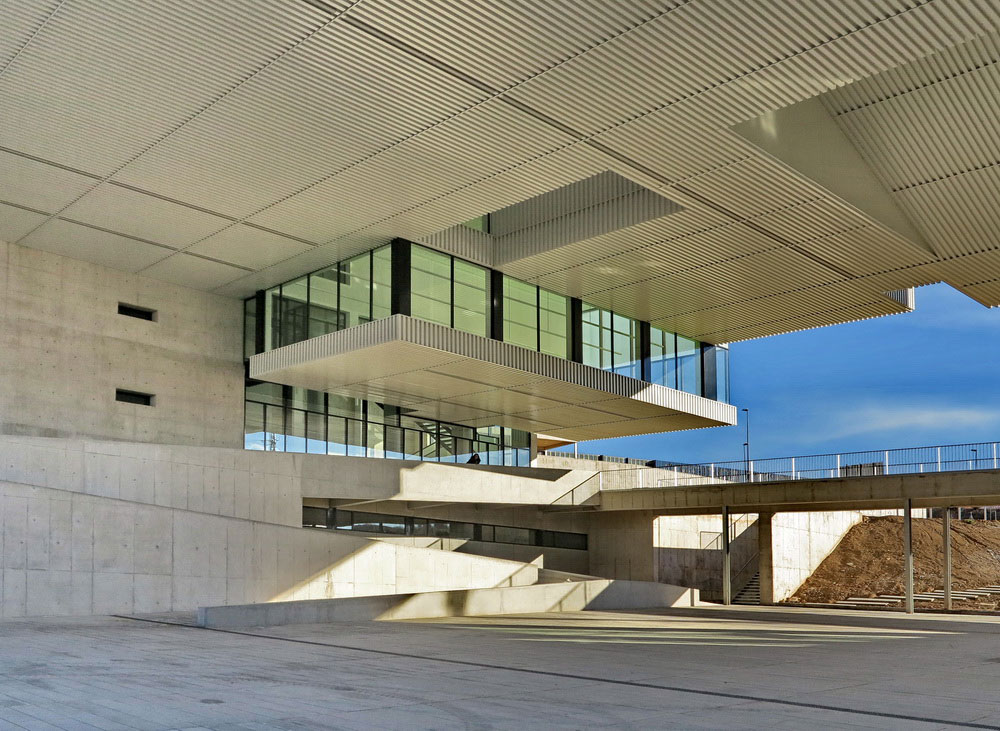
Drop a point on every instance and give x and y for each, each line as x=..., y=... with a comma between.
x=678, y=669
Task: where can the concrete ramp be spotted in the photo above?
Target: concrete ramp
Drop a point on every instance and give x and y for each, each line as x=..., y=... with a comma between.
x=568, y=596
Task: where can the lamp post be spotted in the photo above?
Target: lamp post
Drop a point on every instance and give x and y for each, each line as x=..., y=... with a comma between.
x=746, y=444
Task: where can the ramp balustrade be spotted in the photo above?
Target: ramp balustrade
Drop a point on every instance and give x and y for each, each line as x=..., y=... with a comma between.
x=910, y=460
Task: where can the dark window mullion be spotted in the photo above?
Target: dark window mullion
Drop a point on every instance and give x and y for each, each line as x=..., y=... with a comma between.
x=538, y=318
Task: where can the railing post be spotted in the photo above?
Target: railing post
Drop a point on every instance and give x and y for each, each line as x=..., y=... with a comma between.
x=711, y=468
x=793, y=468
x=947, y=558
x=751, y=470
x=886, y=462
x=939, y=458
x=838, y=466
x=994, y=455
x=727, y=568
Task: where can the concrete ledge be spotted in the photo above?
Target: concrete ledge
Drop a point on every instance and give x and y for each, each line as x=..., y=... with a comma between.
x=597, y=594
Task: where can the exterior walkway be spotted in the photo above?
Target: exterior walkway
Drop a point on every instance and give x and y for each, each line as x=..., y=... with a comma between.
x=679, y=669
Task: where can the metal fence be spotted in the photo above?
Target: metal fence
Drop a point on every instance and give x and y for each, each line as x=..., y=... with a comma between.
x=911, y=460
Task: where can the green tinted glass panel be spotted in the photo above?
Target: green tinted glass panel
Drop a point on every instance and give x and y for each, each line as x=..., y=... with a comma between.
x=520, y=313
x=625, y=346
x=324, y=315
x=355, y=290
x=471, y=298
x=553, y=314
x=381, y=283
x=430, y=285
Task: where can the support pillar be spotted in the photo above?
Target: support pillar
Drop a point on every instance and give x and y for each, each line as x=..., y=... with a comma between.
x=908, y=554
x=727, y=568
x=765, y=558
x=947, y=559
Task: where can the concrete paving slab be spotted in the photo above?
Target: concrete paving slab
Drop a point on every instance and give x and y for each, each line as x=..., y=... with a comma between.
x=703, y=667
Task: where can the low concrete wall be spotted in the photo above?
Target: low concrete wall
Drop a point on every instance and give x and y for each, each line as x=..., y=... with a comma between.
x=801, y=541
x=558, y=559
x=266, y=486
x=565, y=597
x=67, y=553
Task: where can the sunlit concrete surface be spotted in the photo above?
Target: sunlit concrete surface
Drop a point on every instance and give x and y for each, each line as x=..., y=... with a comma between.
x=677, y=669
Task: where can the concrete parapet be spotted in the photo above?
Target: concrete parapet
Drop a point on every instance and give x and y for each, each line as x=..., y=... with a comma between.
x=596, y=594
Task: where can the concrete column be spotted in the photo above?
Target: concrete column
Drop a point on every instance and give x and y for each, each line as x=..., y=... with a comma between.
x=908, y=554
x=533, y=450
x=765, y=557
x=947, y=559
x=727, y=567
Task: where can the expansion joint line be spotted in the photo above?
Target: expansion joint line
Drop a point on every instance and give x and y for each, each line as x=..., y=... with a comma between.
x=590, y=678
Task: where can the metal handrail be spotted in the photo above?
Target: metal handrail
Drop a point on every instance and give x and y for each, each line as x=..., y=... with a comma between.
x=908, y=460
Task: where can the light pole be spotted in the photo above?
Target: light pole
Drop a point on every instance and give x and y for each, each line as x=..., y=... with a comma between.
x=746, y=444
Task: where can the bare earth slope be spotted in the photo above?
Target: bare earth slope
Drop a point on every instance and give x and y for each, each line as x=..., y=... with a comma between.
x=869, y=560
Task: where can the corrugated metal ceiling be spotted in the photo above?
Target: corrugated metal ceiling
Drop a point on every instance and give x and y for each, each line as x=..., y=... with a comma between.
x=336, y=126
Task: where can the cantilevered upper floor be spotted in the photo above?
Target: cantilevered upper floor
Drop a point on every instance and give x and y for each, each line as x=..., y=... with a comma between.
x=438, y=372
x=440, y=337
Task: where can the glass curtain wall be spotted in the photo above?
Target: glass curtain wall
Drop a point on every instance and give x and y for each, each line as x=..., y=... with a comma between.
x=611, y=341
x=350, y=292
x=286, y=419
x=449, y=291
x=535, y=318
x=456, y=293
x=409, y=525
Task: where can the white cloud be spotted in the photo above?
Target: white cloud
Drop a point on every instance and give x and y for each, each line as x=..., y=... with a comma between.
x=871, y=419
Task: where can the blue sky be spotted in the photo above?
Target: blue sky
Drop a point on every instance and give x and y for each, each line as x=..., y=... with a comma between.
x=923, y=378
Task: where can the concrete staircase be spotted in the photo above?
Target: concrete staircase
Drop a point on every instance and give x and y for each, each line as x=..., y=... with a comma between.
x=749, y=594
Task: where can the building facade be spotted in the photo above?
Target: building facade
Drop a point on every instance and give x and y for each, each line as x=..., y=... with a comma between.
x=275, y=266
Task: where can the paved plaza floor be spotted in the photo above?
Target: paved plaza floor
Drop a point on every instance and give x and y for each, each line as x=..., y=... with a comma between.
x=677, y=669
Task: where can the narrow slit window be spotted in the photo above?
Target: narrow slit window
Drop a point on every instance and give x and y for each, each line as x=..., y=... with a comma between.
x=141, y=313
x=134, y=397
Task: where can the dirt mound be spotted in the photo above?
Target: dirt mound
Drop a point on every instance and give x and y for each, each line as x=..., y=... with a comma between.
x=869, y=560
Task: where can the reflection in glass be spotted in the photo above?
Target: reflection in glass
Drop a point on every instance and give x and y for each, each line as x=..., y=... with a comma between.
x=662, y=357
x=520, y=313
x=355, y=290
x=553, y=317
x=253, y=429
x=430, y=285
x=689, y=365
x=316, y=433
x=294, y=311
x=471, y=290
x=336, y=435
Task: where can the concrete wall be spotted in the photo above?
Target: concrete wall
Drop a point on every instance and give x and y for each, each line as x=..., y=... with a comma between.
x=69, y=553
x=65, y=349
x=556, y=559
x=800, y=542
x=272, y=486
x=229, y=482
x=688, y=551
x=621, y=546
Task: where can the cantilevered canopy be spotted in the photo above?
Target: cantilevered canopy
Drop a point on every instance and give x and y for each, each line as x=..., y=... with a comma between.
x=442, y=373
